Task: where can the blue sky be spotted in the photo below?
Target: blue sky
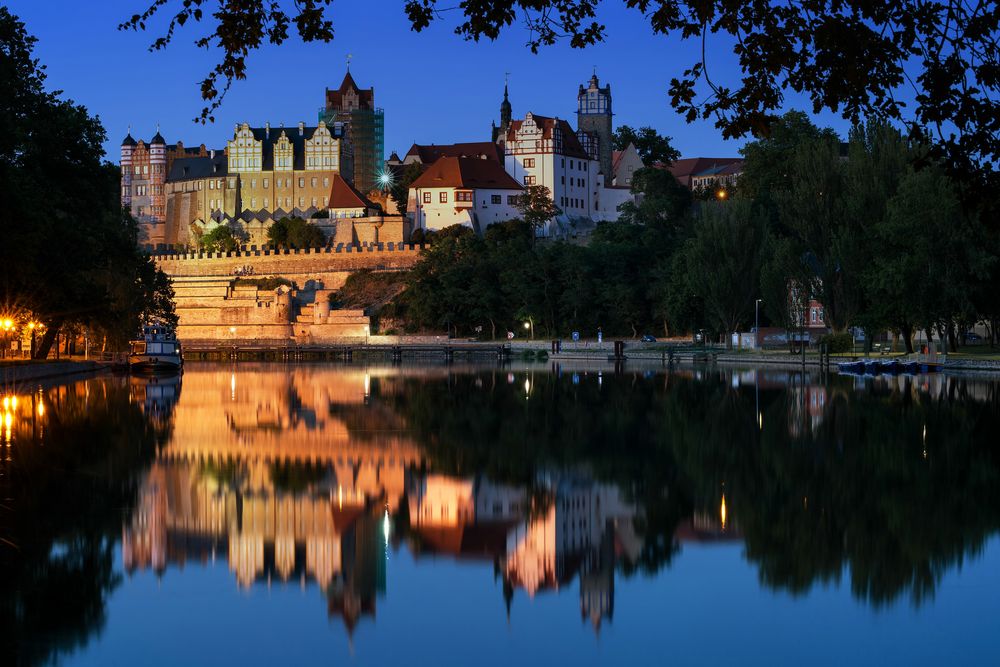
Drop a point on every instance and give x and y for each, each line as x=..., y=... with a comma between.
x=434, y=87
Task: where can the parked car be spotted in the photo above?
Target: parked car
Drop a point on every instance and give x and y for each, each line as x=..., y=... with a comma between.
x=649, y=338
x=972, y=338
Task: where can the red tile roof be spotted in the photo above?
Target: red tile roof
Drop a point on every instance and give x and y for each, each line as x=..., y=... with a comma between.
x=685, y=168
x=343, y=195
x=466, y=172
x=475, y=149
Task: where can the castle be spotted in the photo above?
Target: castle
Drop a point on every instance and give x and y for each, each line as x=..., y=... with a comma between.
x=263, y=173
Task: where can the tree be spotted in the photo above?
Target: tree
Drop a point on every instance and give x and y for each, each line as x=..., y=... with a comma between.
x=536, y=206
x=663, y=200
x=295, y=232
x=723, y=262
x=852, y=57
x=219, y=239
x=63, y=269
x=653, y=148
x=399, y=189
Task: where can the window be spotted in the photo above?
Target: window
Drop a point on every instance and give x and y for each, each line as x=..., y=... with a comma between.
x=312, y=181
x=253, y=183
x=302, y=182
x=529, y=180
x=563, y=180
x=302, y=202
x=463, y=196
x=443, y=197
x=563, y=165
x=265, y=202
x=495, y=199
x=512, y=200
x=253, y=202
x=529, y=163
x=326, y=182
x=427, y=198
x=265, y=183
x=313, y=201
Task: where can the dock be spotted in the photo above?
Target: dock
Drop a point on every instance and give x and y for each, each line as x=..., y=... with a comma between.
x=287, y=351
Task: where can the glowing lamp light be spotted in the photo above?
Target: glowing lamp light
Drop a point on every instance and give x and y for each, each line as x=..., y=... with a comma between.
x=527, y=325
x=721, y=194
x=722, y=512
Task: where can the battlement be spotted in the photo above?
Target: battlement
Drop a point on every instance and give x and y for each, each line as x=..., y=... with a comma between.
x=298, y=264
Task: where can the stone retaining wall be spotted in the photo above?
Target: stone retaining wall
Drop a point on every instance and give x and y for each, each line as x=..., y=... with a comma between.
x=292, y=262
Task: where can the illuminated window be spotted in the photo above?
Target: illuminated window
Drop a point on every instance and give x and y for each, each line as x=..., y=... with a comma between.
x=443, y=197
x=529, y=163
x=462, y=196
x=529, y=180
x=427, y=198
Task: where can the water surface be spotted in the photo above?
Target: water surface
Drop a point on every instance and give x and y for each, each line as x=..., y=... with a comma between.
x=306, y=514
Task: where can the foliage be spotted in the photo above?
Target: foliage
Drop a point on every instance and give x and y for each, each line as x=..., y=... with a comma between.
x=219, y=239
x=64, y=272
x=653, y=148
x=266, y=284
x=367, y=289
x=295, y=232
x=536, y=206
x=850, y=57
x=722, y=259
x=838, y=343
x=399, y=190
x=662, y=198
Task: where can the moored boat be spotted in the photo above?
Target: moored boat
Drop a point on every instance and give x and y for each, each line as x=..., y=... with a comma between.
x=158, y=351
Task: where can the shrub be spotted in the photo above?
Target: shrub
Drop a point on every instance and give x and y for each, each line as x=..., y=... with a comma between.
x=266, y=284
x=837, y=343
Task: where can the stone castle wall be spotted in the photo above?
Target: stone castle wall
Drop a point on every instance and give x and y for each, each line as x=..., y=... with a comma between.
x=288, y=262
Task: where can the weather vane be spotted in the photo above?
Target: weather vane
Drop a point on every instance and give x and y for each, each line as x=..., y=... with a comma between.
x=349, y=56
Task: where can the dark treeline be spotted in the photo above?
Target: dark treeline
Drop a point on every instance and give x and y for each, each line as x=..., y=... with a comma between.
x=873, y=229
x=68, y=255
x=70, y=477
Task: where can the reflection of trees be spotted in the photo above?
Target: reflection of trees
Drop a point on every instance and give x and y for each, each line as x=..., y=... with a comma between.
x=855, y=489
x=864, y=489
x=66, y=489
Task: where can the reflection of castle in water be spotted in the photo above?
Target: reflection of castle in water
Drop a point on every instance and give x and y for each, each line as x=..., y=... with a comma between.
x=571, y=525
x=294, y=477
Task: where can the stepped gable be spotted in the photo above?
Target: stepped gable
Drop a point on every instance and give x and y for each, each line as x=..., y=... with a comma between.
x=571, y=146
x=335, y=98
x=464, y=172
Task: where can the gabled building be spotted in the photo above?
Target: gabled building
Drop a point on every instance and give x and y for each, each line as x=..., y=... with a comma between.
x=695, y=172
x=364, y=125
x=624, y=164
x=464, y=191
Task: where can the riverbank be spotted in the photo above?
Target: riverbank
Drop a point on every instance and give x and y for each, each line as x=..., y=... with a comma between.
x=27, y=371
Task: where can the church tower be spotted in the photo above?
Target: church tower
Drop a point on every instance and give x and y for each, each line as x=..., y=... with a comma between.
x=505, y=116
x=593, y=116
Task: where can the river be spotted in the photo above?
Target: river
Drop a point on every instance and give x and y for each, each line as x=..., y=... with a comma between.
x=262, y=514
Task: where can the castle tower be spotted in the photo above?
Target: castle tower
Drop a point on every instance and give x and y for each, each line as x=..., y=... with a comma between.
x=128, y=147
x=505, y=115
x=593, y=115
x=157, y=177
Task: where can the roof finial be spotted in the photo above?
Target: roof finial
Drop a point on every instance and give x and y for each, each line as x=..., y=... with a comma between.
x=129, y=129
x=349, y=56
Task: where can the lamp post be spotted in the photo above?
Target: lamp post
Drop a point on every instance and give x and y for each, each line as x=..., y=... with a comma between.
x=756, y=323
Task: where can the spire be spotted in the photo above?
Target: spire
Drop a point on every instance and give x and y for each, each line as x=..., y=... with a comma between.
x=505, y=107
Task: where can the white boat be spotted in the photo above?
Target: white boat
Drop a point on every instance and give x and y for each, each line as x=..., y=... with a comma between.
x=158, y=351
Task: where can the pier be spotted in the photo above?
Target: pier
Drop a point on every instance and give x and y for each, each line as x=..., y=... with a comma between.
x=288, y=351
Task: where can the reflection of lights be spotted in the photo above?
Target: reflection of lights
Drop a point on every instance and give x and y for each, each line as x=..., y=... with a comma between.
x=722, y=512
x=925, y=440
x=760, y=421
x=368, y=385
x=6, y=402
x=527, y=387
x=41, y=408
x=510, y=378
x=13, y=402
x=340, y=496
x=385, y=525
x=232, y=387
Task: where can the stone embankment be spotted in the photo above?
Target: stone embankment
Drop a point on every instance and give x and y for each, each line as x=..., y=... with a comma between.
x=30, y=371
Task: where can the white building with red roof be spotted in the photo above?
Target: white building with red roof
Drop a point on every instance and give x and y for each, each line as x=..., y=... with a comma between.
x=466, y=191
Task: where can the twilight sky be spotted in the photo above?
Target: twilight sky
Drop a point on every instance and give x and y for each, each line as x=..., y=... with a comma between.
x=434, y=87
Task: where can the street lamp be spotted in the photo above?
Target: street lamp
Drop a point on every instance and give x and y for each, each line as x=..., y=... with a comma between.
x=756, y=323
x=721, y=194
